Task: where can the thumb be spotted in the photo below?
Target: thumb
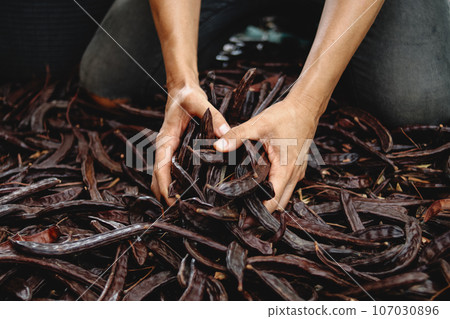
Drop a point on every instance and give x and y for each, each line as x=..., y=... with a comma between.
x=235, y=137
x=221, y=126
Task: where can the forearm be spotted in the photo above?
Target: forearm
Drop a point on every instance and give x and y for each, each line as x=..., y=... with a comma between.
x=177, y=26
x=342, y=27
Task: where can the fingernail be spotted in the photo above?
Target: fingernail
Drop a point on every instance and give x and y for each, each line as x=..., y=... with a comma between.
x=221, y=144
x=224, y=128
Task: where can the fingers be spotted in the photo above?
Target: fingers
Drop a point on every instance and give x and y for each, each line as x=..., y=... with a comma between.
x=155, y=188
x=279, y=178
x=165, y=147
x=284, y=200
x=233, y=139
x=221, y=126
x=283, y=193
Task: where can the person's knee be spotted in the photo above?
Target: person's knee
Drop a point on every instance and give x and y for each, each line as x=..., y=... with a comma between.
x=124, y=58
x=404, y=102
x=97, y=76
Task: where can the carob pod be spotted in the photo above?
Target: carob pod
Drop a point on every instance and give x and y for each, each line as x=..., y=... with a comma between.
x=148, y=285
x=236, y=261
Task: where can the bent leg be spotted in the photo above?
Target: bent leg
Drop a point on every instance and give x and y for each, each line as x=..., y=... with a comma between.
x=401, y=72
x=107, y=71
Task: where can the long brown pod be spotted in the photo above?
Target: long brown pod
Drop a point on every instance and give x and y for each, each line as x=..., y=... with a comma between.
x=206, y=126
x=196, y=285
x=226, y=102
x=10, y=138
x=241, y=92
x=8, y=209
x=148, y=285
x=73, y=206
x=246, y=184
x=398, y=281
x=409, y=250
x=382, y=258
x=420, y=154
x=282, y=287
x=200, y=258
x=224, y=213
x=116, y=280
x=4, y=275
x=107, y=238
x=342, y=268
x=340, y=159
x=236, y=261
x=52, y=199
x=250, y=240
x=283, y=225
x=29, y=190
x=87, y=165
x=380, y=233
x=215, y=290
x=100, y=154
x=269, y=222
x=25, y=289
x=263, y=92
x=298, y=265
x=184, y=177
x=150, y=114
x=276, y=89
x=437, y=247
x=360, y=143
x=81, y=290
x=167, y=253
x=325, y=231
x=368, y=119
x=184, y=271
x=362, y=206
x=37, y=118
x=445, y=268
x=98, y=240
x=350, y=212
x=349, y=182
x=62, y=151
x=61, y=267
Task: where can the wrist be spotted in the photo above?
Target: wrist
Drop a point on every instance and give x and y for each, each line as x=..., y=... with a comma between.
x=180, y=78
x=306, y=104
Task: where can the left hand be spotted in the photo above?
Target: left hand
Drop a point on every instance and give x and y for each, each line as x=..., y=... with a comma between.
x=286, y=130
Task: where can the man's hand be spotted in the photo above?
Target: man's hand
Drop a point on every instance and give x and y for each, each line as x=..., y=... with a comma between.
x=286, y=130
x=184, y=102
x=343, y=25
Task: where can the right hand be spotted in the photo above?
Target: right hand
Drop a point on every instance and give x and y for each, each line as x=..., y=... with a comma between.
x=184, y=101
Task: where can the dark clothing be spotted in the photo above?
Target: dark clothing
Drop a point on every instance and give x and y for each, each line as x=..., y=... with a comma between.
x=400, y=73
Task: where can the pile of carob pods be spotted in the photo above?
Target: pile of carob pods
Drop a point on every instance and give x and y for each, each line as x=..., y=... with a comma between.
x=369, y=221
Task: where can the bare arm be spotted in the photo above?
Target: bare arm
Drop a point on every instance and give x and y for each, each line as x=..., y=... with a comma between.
x=343, y=25
x=177, y=23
